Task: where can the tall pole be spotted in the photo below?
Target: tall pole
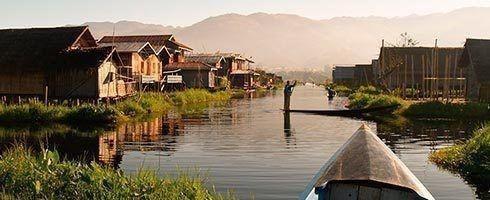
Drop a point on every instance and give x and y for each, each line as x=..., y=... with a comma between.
x=46, y=95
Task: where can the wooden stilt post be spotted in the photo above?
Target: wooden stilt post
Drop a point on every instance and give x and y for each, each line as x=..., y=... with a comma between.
x=46, y=95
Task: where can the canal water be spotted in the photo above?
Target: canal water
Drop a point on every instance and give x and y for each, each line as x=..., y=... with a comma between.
x=250, y=146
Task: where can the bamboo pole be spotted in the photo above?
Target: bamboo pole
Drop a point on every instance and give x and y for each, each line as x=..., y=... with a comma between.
x=423, y=77
x=46, y=95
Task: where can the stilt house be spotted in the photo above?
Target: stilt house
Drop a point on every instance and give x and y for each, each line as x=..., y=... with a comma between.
x=195, y=74
x=140, y=61
x=476, y=63
x=167, y=48
x=422, y=72
x=62, y=62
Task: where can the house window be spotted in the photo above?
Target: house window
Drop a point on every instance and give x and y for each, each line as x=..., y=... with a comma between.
x=142, y=67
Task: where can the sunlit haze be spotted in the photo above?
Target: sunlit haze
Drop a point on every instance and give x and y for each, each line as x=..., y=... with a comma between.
x=23, y=13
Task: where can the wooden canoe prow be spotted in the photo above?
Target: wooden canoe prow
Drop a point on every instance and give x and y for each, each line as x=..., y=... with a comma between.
x=365, y=163
x=347, y=113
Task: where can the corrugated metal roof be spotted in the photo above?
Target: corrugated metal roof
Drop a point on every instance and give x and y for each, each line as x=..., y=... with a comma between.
x=210, y=59
x=187, y=66
x=129, y=46
x=157, y=41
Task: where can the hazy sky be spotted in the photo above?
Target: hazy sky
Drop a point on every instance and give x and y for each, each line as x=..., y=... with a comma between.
x=24, y=13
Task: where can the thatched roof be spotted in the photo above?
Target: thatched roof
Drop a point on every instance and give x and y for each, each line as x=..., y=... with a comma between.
x=211, y=59
x=40, y=47
x=188, y=66
x=364, y=157
x=86, y=58
x=417, y=50
x=477, y=52
x=159, y=42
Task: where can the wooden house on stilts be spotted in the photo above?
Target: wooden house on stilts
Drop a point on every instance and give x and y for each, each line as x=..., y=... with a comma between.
x=61, y=63
x=421, y=72
x=195, y=74
x=139, y=63
x=476, y=63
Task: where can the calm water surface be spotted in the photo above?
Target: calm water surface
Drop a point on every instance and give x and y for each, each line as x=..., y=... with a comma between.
x=250, y=146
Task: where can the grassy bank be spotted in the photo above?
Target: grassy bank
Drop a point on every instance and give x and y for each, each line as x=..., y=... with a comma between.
x=470, y=159
x=27, y=176
x=436, y=109
x=368, y=97
x=37, y=112
x=140, y=104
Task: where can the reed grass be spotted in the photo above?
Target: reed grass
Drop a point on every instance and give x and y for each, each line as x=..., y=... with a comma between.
x=341, y=90
x=40, y=113
x=140, y=104
x=191, y=96
x=470, y=159
x=369, y=97
x=437, y=109
x=25, y=175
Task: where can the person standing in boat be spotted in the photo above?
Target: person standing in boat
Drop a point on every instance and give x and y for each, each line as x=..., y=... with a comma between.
x=288, y=91
x=331, y=93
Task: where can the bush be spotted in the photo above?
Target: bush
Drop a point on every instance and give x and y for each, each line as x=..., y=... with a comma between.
x=27, y=176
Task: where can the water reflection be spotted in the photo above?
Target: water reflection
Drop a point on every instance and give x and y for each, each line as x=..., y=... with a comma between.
x=250, y=145
x=288, y=131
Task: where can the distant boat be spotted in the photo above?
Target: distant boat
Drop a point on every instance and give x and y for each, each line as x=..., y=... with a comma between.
x=365, y=168
x=350, y=112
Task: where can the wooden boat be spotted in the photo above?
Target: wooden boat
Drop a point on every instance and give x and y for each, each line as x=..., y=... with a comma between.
x=348, y=113
x=365, y=168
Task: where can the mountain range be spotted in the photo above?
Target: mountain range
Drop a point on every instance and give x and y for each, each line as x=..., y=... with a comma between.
x=284, y=40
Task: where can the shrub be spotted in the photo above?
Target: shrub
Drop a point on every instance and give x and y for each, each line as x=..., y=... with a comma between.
x=27, y=176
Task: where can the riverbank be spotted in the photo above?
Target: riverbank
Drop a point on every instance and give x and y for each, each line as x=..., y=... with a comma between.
x=368, y=97
x=138, y=105
x=26, y=175
x=470, y=159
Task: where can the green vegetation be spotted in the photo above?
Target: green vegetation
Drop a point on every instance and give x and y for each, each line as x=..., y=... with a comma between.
x=191, y=96
x=24, y=175
x=436, y=109
x=38, y=112
x=369, y=97
x=140, y=104
x=341, y=90
x=470, y=159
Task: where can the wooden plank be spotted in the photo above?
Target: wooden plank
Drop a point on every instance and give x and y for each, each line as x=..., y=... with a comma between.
x=369, y=193
x=340, y=191
x=390, y=194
